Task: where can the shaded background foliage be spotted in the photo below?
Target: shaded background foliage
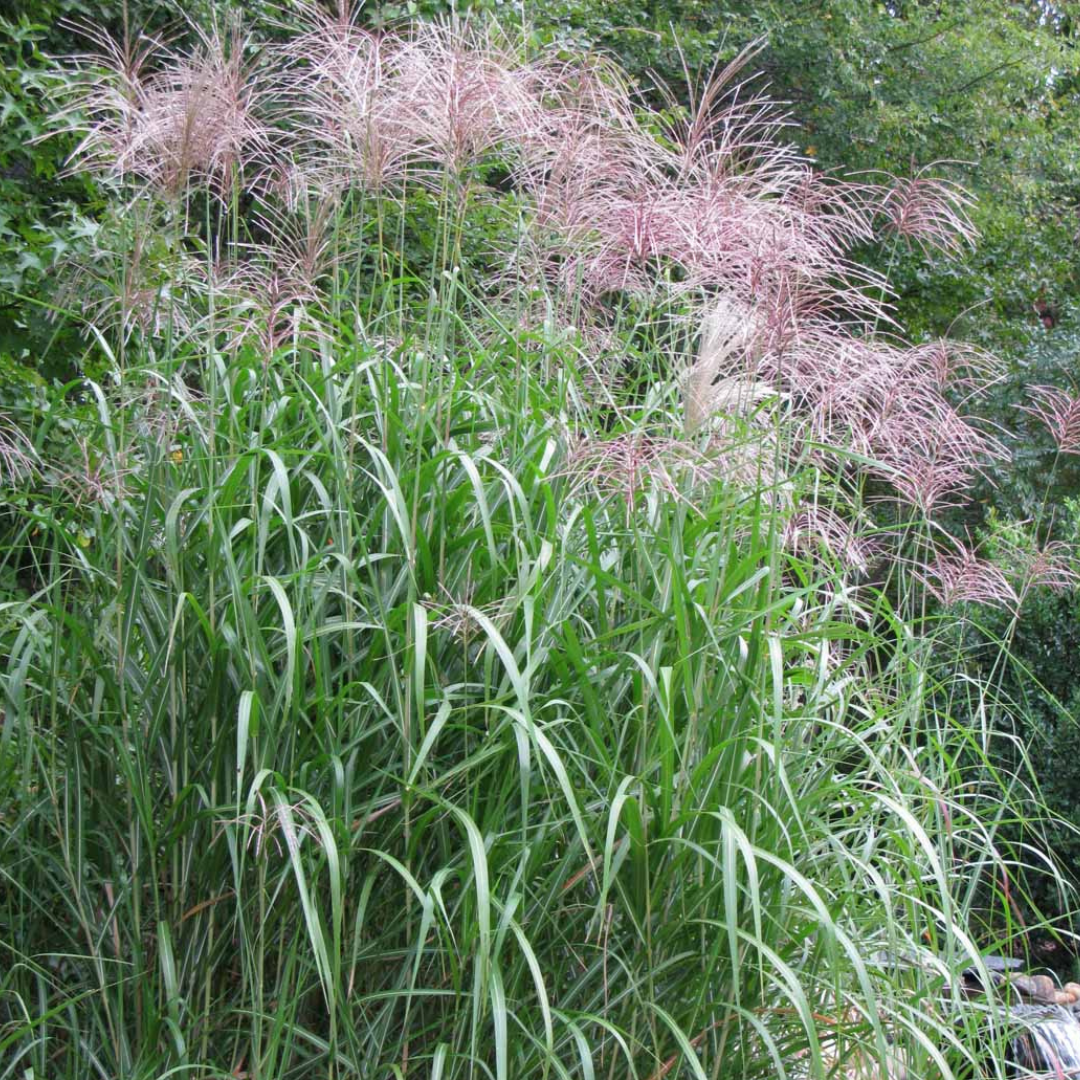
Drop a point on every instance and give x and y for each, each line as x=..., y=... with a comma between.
x=991, y=87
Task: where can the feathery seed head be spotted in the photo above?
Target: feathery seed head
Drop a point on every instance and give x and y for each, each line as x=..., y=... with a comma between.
x=960, y=576
x=168, y=118
x=933, y=212
x=1060, y=413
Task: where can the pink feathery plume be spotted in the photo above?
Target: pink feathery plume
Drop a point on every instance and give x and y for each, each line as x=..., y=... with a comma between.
x=335, y=87
x=18, y=458
x=1060, y=413
x=930, y=211
x=1051, y=566
x=960, y=577
x=460, y=92
x=820, y=529
x=167, y=118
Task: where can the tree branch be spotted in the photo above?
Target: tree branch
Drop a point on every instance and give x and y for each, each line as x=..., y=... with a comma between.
x=985, y=75
x=929, y=37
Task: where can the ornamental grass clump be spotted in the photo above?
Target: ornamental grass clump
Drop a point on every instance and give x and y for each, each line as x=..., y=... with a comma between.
x=431, y=654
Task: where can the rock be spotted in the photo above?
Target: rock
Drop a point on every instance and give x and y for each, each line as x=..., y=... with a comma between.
x=997, y=966
x=1037, y=988
x=1063, y=997
x=1002, y=963
x=972, y=984
x=1072, y=988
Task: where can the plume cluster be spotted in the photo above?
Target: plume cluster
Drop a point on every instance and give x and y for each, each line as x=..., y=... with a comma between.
x=18, y=458
x=703, y=208
x=930, y=211
x=958, y=575
x=168, y=119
